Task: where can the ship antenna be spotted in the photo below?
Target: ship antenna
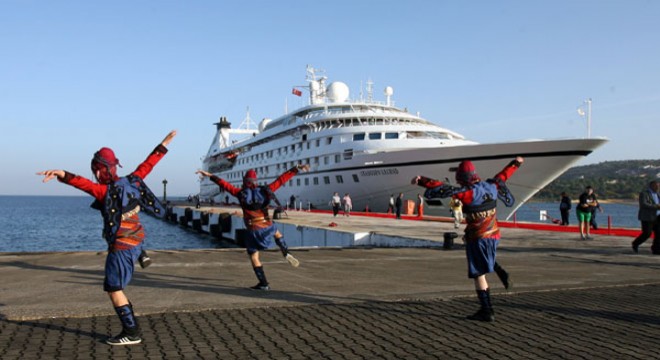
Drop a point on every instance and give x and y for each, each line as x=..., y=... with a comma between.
x=247, y=122
x=316, y=86
x=370, y=91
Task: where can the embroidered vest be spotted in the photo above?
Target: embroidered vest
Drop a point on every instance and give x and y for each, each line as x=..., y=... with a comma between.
x=124, y=196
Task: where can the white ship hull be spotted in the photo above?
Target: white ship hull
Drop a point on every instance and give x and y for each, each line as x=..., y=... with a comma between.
x=380, y=175
x=372, y=150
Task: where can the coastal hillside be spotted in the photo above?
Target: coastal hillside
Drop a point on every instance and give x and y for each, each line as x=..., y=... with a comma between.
x=612, y=180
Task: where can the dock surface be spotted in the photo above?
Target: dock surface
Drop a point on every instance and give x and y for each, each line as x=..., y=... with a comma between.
x=571, y=299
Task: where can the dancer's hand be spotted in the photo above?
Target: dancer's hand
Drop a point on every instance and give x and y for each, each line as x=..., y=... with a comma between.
x=520, y=159
x=302, y=168
x=415, y=180
x=168, y=138
x=203, y=173
x=51, y=174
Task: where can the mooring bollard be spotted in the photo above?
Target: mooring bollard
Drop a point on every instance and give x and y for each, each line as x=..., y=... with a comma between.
x=449, y=240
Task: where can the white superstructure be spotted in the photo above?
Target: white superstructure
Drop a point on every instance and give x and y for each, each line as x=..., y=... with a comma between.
x=371, y=150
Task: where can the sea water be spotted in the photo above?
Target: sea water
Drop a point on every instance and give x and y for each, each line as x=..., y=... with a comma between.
x=67, y=223
x=621, y=215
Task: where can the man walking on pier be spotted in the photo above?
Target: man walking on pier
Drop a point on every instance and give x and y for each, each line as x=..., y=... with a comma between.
x=482, y=234
x=649, y=216
x=254, y=201
x=119, y=200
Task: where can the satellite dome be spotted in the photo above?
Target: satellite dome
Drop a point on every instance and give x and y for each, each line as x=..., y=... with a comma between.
x=337, y=92
x=389, y=91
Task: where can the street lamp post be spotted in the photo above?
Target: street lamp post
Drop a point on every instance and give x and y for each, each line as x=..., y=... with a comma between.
x=164, y=191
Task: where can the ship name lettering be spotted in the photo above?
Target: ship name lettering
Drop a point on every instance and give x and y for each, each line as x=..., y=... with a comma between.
x=390, y=171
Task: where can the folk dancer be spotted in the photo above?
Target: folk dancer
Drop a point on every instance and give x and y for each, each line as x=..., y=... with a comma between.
x=119, y=199
x=254, y=201
x=482, y=234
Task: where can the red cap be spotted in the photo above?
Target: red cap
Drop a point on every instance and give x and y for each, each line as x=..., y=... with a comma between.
x=466, y=173
x=106, y=157
x=250, y=174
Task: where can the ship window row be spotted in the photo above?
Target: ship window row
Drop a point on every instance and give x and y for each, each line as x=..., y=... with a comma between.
x=300, y=180
x=375, y=136
x=285, y=150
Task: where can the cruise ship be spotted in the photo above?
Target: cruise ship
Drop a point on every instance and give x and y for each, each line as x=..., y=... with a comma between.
x=371, y=150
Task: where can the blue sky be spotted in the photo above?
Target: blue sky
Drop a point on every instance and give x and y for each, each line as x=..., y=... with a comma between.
x=79, y=75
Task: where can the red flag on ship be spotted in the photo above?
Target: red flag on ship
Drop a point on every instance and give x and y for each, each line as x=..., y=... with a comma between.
x=296, y=92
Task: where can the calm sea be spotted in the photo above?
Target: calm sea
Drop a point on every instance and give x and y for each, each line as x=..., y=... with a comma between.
x=67, y=223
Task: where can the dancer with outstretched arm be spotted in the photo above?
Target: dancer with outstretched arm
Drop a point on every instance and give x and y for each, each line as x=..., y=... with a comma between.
x=482, y=234
x=254, y=200
x=119, y=199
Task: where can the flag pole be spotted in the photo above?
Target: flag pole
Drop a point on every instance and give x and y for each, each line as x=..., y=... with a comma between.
x=589, y=118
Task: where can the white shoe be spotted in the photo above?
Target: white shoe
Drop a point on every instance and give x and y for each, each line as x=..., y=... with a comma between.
x=293, y=261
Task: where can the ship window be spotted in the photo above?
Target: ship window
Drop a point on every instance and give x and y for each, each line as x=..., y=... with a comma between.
x=356, y=178
x=348, y=154
x=304, y=137
x=326, y=160
x=316, y=160
x=306, y=181
x=293, y=147
x=391, y=135
x=375, y=136
x=308, y=146
x=329, y=140
x=290, y=182
x=340, y=179
x=316, y=181
x=337, y=158
x=299, y=146
x=318, y=142
x=358, y=137
x=326, y=180
x=298, y=182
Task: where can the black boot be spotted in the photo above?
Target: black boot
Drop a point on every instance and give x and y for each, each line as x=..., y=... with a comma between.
x=261, y=276
x=504, y=276
x=486, y=312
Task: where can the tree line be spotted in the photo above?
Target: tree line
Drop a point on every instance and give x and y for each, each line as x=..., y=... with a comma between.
x=612, y=180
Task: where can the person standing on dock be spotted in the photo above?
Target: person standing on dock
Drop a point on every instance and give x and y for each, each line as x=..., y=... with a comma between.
x=456, y=207
x=398, y=204
x=482, y=234
x=119, y=199
x=649, y=216
x=348, y=204
x=335, y=202
x=564, y=208
x=584, y=210
x=390, y=205
x=254, y=201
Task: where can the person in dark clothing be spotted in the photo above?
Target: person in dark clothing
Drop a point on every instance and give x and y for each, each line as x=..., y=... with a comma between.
x=398, y=204
x=649, y=216
x=592, y=222
x=292, y=202
x=564, y=208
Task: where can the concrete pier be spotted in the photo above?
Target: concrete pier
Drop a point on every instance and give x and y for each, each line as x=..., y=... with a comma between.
x=571, y=298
